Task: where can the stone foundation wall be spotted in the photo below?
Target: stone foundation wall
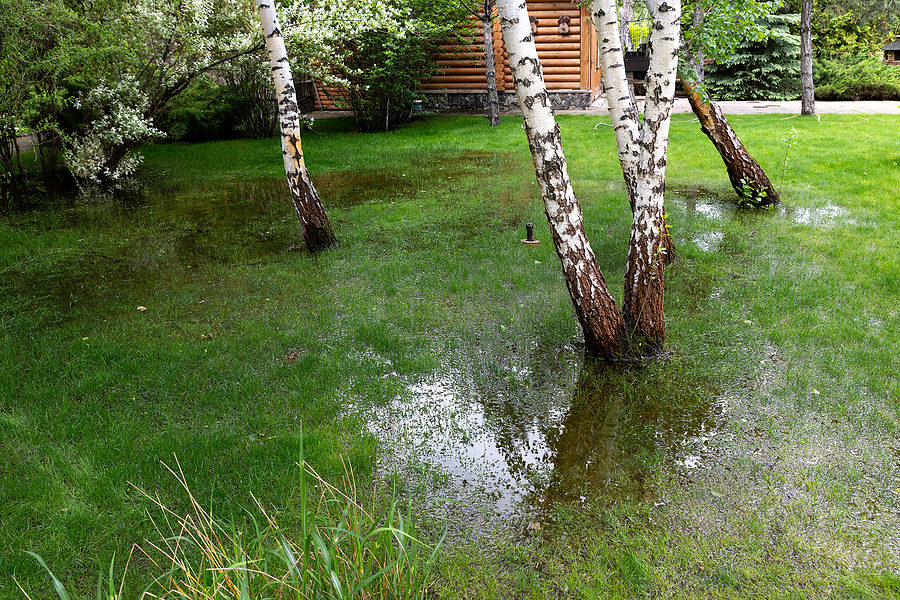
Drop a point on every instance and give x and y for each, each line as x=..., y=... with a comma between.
x=477, y=100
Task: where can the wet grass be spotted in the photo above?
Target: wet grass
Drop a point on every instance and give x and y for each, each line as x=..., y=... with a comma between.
x=760, y=461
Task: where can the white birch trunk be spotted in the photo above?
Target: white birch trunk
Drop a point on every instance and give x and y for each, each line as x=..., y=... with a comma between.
x=643, y=159
x=623, y=110
x=600, y=319
x=317, y=231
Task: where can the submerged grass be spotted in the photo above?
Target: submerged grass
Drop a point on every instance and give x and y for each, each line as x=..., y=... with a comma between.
x=761, y=460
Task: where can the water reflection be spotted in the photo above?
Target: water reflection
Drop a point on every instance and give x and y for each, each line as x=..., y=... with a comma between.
x=515, y=446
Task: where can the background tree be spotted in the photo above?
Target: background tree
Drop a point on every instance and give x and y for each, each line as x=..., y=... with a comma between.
x=760, y=69
x=807, y=90
x=847, y=36
x=484, y=13
x=383, y=60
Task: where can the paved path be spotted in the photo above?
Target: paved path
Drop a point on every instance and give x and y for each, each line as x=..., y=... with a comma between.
x=864, y=107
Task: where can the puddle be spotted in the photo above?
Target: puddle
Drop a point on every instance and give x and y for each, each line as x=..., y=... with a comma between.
x=700, y=201
x=823, y=217
x=513, y=446
x=116, y=242
x=347, y=189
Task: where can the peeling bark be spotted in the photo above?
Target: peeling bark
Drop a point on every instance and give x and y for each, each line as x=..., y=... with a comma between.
x=596, y=310
x=642, y=147
x=747, y=177
x=317, y=231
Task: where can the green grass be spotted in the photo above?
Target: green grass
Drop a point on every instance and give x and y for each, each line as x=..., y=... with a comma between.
x=782, y=326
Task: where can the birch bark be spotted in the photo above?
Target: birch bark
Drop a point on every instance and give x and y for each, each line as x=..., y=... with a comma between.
x=317, y=231
x=596, y=310
x=642, y=147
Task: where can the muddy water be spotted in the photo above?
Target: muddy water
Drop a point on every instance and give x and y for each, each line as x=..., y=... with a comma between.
x=114, y=244
x=515, y=444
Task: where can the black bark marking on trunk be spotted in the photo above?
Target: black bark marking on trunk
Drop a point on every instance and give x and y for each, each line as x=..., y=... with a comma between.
x=535, y=65
x=541, y=96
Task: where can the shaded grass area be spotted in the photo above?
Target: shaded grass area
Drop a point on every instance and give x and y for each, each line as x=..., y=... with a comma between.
x=782, y=326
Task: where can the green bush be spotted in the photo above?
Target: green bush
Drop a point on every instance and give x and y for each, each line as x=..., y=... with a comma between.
x=385, y=72
x=765, y=70
x=856, y=77
x=201, y=113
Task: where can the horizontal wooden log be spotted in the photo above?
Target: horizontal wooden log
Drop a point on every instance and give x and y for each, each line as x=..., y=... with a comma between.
x=575, y=79
x=562, y=70
x=458, y=78
x=541, y=5
x=563, y=85
x=542, y=40
x=545, y=17
x=550, y=47
x=460, y=64
x=455, y=86
x=573, y=56
x=560, y=62
x=457, y=49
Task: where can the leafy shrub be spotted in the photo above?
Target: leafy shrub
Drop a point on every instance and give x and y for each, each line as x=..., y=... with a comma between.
x=386, y=70
x=252, y=95
x=202, y=112
x=856, y=77
x=761, y=70
x=116, y=125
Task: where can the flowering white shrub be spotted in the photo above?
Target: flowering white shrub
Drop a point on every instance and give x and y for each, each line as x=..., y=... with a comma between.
x=103, y=151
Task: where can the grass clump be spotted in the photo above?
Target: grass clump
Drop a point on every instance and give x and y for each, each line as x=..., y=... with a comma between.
x=341, y=550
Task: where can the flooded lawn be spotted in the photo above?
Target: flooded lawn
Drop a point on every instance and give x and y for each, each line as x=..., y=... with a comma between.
x=440, y=355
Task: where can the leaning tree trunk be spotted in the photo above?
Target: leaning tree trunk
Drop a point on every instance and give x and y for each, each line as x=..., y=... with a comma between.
x=596, y=310
x=490, y=70
x=747, y=178
x=317, y=231
x=807, y=92
x=642, y=148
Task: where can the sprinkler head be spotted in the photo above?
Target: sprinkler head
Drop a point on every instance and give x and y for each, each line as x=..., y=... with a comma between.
x=529, y=235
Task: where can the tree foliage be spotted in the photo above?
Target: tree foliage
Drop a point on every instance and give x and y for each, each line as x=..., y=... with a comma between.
x=761, y=70
x=382, y=53
x=848, y=28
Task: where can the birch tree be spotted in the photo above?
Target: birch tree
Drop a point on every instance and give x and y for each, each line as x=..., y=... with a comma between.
x=642, y=147
x=317, y=231
x=595, y=308
x=717, y=27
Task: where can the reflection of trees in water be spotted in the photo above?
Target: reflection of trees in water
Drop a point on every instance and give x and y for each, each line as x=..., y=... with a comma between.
x=606, y=436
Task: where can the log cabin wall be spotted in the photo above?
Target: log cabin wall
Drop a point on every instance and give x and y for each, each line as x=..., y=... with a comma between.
x=461, y=63
x=569, y=60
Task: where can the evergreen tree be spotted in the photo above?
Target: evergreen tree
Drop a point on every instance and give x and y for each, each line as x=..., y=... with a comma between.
x=761, y=70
